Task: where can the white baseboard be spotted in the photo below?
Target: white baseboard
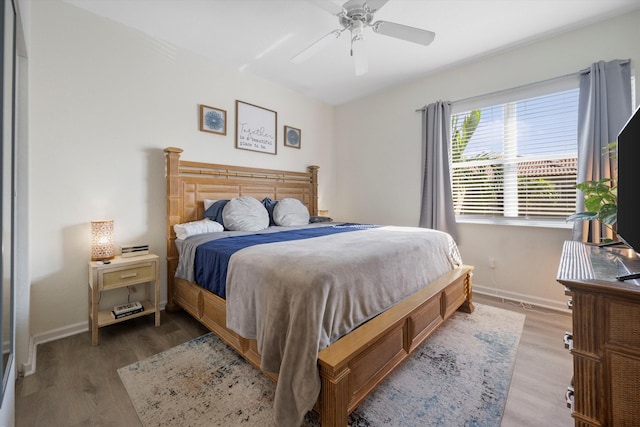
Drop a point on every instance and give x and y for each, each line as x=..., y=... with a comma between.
x=55, y=334
x=524, y=298
x=29, y=367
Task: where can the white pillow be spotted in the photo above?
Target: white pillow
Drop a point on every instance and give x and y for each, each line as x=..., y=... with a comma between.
x=245, y=213
x=290, y=212
x=196, y=227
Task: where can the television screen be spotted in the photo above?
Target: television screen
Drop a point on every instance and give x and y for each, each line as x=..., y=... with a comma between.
x=628, y=223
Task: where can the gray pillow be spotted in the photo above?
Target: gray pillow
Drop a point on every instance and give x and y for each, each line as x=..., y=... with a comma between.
x=245, y=214
x=290, y=212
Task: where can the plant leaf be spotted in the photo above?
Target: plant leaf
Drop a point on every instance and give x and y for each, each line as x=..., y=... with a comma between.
x=608, y=214
x=593, y=204
x=583, y=216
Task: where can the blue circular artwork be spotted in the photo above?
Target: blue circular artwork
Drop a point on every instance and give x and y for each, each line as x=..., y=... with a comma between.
x=292, y=137
x=214, y=120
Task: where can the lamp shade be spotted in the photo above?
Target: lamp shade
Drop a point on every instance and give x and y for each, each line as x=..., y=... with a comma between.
x=102, y=240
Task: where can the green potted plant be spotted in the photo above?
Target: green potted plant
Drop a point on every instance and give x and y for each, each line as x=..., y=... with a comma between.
x=600, y=198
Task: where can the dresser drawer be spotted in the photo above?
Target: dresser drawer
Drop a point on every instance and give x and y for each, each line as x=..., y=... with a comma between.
x=127, y=276
x=623, y=325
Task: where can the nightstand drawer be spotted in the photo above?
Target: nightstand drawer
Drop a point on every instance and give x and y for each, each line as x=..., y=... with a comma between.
x=127, y=276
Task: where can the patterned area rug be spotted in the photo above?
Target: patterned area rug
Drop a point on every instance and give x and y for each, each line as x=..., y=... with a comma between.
x=459, y=377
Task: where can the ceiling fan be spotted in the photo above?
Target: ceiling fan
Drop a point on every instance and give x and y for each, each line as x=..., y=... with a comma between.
x=355, y=16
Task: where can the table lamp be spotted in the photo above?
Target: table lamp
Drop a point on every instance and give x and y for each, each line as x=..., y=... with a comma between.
x=102, y=240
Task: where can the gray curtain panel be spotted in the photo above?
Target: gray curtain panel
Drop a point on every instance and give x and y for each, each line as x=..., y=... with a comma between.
x=604, y=107
x=437, y=199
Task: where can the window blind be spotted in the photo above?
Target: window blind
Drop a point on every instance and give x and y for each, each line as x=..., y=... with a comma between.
x=517, y=159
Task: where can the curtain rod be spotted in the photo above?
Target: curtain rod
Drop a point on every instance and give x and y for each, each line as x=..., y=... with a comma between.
x=503, y=91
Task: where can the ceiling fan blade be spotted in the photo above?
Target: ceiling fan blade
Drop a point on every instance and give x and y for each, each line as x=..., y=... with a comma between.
x=329, y=6
x=359, y=53
x=374, y=5
x=404, y=32
x=316, y=46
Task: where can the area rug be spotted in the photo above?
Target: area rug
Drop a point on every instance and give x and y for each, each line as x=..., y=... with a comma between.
x=459, y=377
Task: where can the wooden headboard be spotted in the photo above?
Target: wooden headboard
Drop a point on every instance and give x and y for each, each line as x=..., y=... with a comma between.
x=189, y=183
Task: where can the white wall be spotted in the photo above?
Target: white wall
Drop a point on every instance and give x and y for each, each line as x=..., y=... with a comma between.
x=379, y=152
x=105, y=101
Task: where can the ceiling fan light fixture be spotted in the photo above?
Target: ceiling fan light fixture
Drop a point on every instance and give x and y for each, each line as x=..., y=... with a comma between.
x=357, y=28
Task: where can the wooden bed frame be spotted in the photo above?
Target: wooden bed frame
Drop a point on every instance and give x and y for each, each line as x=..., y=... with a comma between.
x=351, y=367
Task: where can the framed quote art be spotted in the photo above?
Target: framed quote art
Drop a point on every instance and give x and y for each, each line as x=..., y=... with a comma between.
x=213, y=120
x=292, y=137
x=256, y=128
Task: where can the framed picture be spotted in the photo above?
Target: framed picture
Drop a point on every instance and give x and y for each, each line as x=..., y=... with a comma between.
x=213, y=120
x=292, y=137
x=256, y=128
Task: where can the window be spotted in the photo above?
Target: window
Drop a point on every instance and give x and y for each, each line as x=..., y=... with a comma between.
x=516, y=159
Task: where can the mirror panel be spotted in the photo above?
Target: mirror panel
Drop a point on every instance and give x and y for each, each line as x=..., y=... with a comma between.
x=7, y=202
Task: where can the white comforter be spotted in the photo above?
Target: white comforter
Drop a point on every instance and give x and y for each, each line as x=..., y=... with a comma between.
x=295, y=298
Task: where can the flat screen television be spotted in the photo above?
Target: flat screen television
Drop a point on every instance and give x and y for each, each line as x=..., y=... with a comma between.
x=628, y=222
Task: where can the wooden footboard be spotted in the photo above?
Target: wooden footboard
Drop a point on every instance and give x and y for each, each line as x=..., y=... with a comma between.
x=353, y=366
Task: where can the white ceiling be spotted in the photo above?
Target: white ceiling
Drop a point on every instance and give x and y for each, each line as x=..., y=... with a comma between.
x=259, y=37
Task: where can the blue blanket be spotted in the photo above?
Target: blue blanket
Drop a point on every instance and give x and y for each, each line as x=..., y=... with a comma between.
x=212, y=258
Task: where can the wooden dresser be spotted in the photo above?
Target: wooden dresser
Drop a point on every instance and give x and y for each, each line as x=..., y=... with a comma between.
x=605, y=341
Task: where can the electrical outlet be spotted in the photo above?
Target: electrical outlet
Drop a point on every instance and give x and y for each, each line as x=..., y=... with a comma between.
x=492, y=262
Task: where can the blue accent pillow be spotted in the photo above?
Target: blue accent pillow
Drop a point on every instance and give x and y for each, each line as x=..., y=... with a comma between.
x=269, y=205
x=214, y=212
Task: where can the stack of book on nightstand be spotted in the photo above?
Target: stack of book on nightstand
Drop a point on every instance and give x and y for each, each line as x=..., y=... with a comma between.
x=127, y=309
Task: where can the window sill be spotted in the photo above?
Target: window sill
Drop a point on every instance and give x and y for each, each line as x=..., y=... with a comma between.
x=519, y=222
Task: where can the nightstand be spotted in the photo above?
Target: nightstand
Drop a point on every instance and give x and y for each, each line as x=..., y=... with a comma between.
x=121, y=272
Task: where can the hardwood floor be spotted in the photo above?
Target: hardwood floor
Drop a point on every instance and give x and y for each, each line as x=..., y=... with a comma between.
x=543, y=369
x=76, y=384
